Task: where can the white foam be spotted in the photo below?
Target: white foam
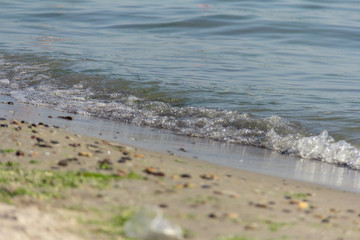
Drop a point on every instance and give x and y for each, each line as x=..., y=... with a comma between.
x=4, y=81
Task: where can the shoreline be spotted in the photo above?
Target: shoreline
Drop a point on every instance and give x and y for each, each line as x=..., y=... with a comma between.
x=90, y=188
x=235, y=156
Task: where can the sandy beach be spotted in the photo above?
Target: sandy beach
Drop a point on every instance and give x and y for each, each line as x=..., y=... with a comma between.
x=60, y=185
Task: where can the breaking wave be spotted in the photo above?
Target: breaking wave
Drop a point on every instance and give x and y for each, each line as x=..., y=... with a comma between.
x=34, y=84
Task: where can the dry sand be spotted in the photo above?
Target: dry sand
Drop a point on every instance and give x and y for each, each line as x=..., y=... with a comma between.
x=59, y=185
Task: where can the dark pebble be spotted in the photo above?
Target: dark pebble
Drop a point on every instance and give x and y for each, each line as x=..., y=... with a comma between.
x=182, y=150
x=50, y=117
x=163, y=205
x=154, y=172
x=91, y=146
x=54, y=142
x=66, y=117
x=124, y=159
x=4, y=125
x=212, y=215
x=10, y=103
x=39, y=139
x=63, y=163
x=185, y=175
x=44, y=145
x=20, y=153
x=325, y=220
x=205, y=186
x=74, y=144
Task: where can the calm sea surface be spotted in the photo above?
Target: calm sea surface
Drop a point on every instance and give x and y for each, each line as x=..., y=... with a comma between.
x=277, y=74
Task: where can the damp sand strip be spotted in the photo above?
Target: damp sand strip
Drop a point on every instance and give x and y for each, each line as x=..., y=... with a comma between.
x=87, y=188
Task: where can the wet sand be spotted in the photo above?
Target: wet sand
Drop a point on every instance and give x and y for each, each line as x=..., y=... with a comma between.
x=78, y=187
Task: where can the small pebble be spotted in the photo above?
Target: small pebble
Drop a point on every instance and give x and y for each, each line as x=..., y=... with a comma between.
x=152, y=171
x=261, y=205
x=209, y=176
x=20, y=153
x=212, y=215
x=231, y=215
x=185, y=175
x=85, y=154
x=251, y=226
x=74, y=144
x=175, y=177
x=303, y=205
x=70, y=118
x=63, y=163
x=124, y=159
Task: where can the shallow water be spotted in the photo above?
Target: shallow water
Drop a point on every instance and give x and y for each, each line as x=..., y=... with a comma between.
x=281, y=75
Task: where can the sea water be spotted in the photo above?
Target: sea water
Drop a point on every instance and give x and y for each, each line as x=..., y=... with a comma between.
x=277, y=74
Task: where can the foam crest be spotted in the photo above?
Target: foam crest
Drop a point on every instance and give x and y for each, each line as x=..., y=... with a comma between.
x=320, y=147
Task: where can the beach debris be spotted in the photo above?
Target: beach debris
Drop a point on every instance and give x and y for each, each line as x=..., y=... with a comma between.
x=139, y=156
x=149, y=224
x=85, y=154
x=70, y=118
x=152, y=171
x=209, y=176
